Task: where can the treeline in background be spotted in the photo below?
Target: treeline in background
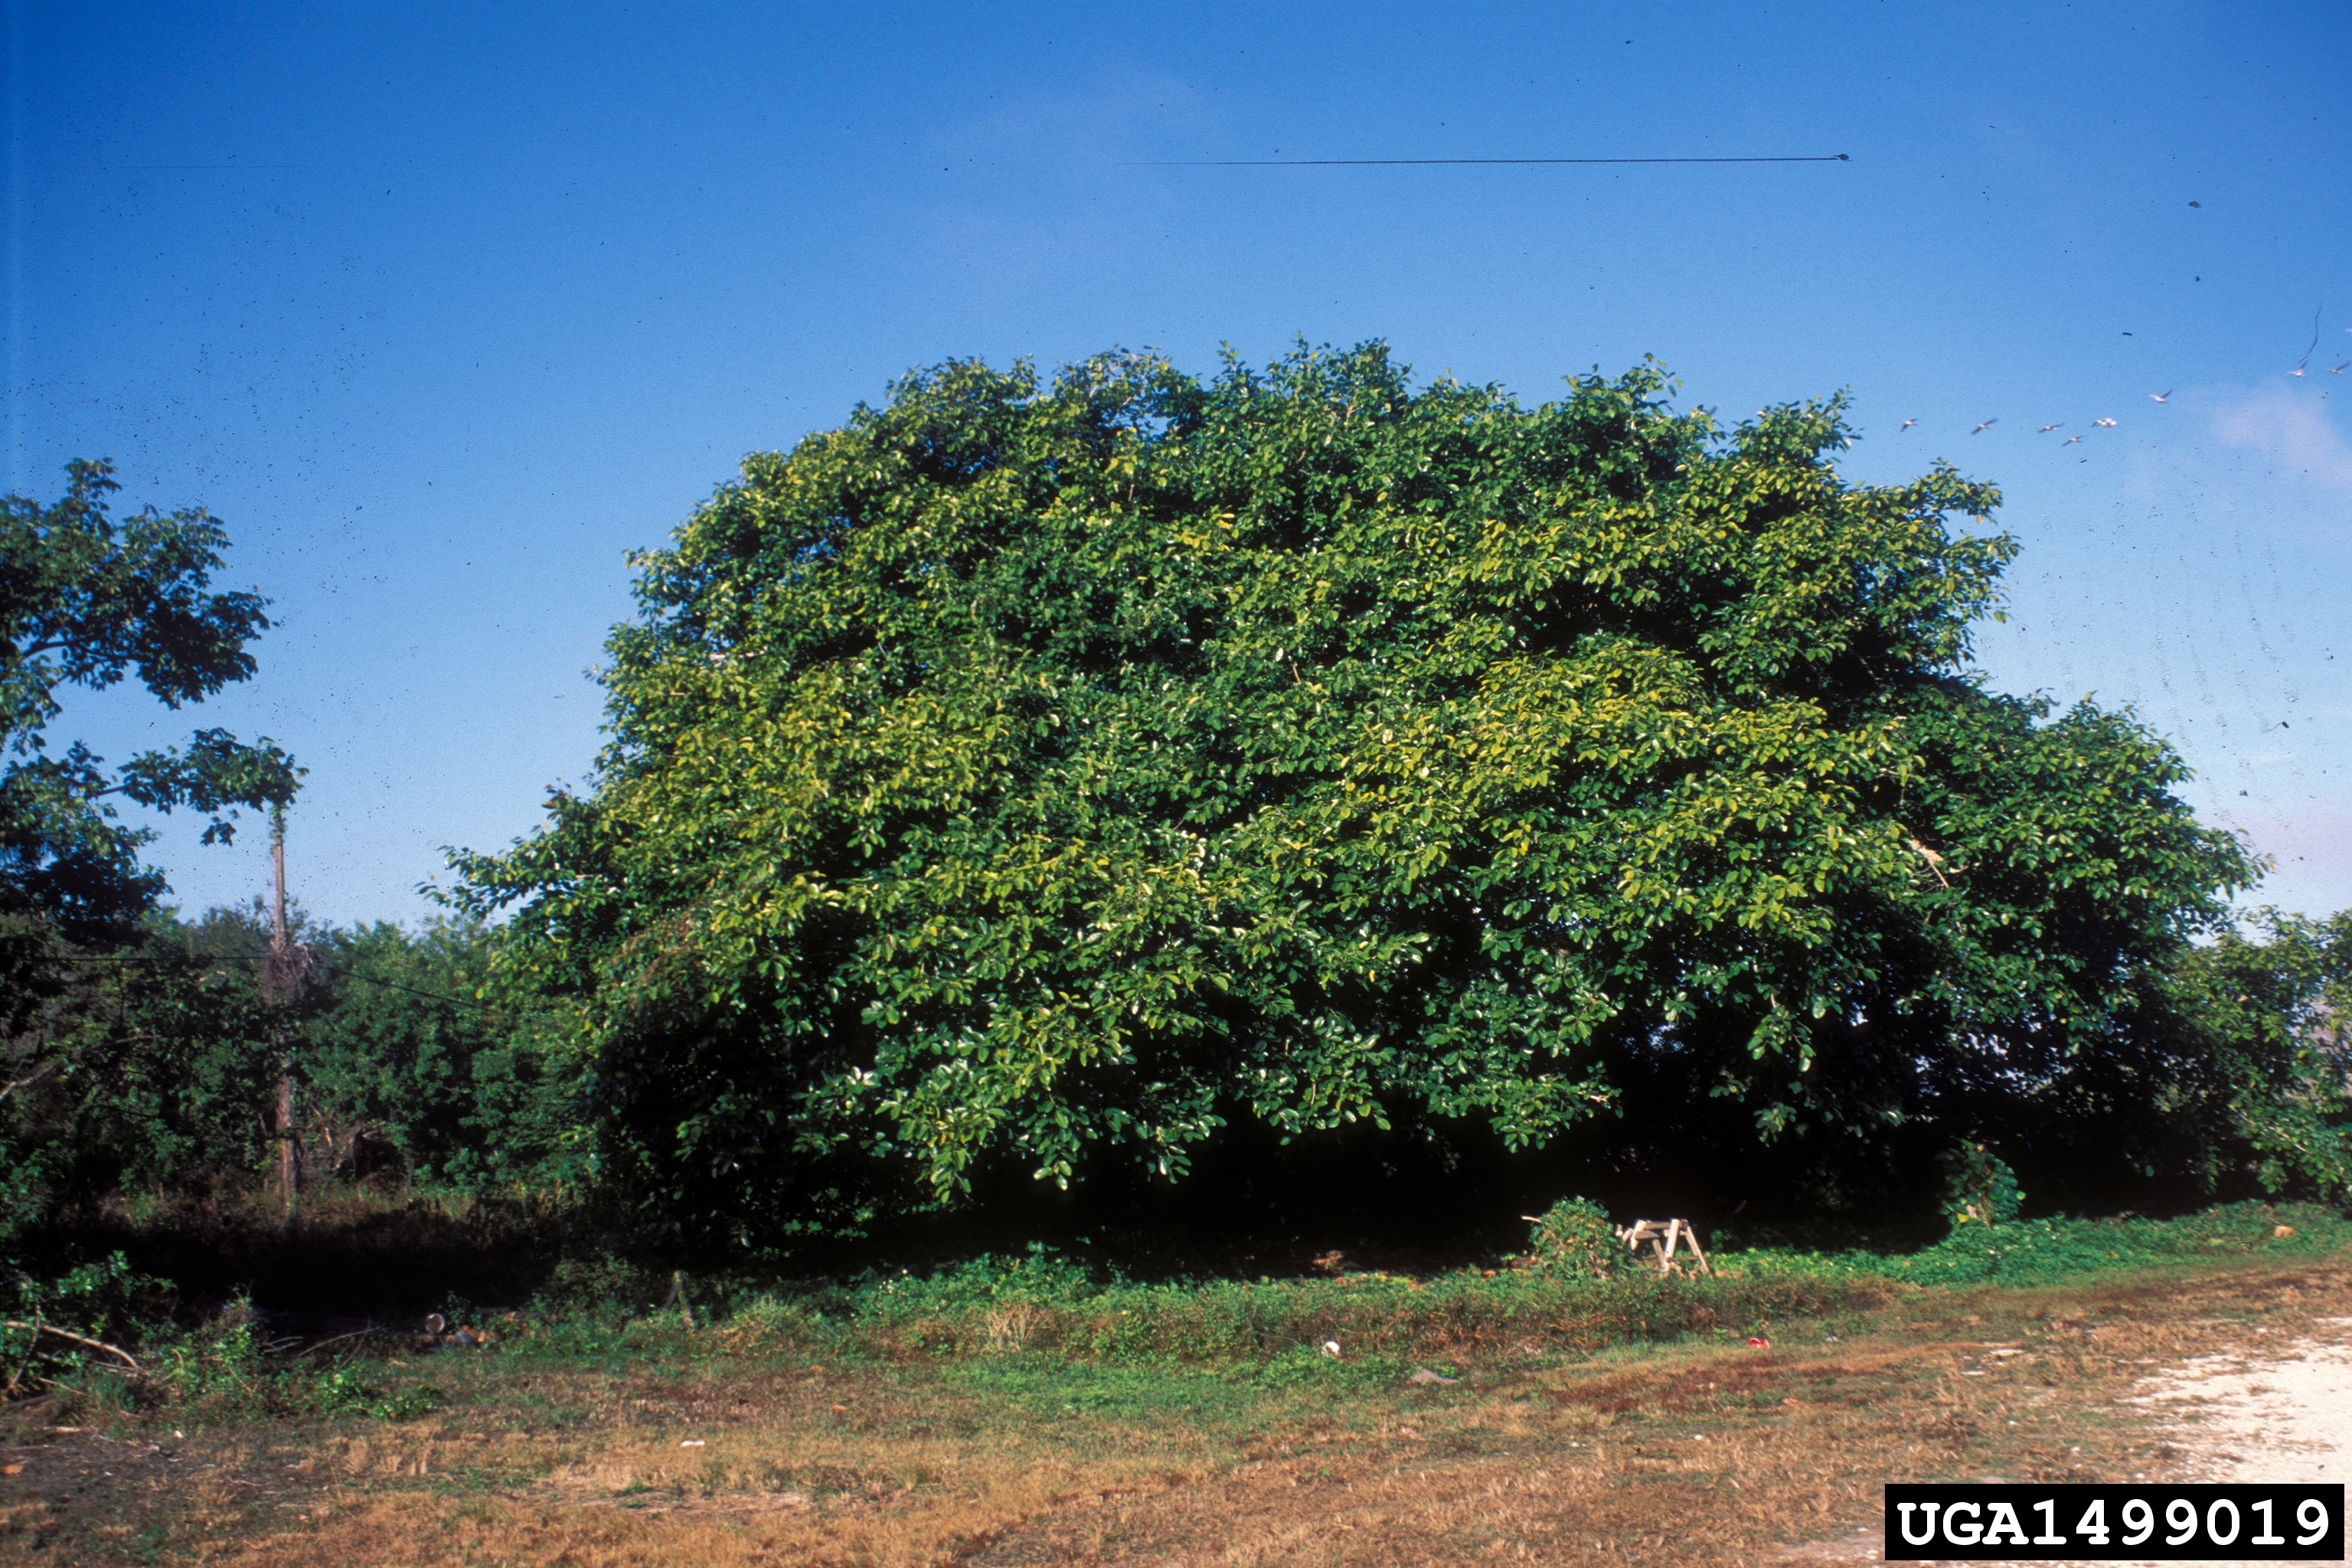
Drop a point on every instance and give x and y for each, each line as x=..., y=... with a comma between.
x=164, y=1058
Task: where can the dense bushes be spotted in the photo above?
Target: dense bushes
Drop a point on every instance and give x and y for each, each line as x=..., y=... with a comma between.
x=154, y=1064
x=410, y=1066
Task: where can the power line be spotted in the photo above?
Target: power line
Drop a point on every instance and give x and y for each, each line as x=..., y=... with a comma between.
x=338, y=973
x=413, y=991
x=1388, y=162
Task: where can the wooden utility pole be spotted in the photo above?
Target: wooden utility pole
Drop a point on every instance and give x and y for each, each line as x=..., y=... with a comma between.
x=282, y=988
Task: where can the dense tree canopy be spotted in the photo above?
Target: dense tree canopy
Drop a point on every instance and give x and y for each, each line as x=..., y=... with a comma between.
x=1053, y=773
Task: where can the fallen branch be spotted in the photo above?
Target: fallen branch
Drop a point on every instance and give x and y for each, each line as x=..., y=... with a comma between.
x=338, y=1339
x=116, y=1351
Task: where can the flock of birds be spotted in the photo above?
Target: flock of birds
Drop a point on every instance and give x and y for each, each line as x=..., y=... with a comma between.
x=2303, y=369
x=2061, y=425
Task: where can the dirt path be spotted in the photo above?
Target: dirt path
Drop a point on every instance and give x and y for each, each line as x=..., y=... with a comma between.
x=2264, y=1413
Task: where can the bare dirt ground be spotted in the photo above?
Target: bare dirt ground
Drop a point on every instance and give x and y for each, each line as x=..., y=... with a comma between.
x=2273, y=1407
x=1700, y=1452
x=2265, y=1412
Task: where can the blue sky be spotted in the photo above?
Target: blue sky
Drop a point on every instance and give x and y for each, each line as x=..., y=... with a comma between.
x=446, y=309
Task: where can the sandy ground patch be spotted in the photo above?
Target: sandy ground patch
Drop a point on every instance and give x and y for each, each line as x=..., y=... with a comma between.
x=2261, y=1412
x=2266, y=1414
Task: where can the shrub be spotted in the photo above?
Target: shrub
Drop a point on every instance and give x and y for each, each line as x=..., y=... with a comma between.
x=1574, y=1240
x=1979, y=1187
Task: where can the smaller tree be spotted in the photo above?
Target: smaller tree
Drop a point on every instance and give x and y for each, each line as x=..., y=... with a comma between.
x=86, y=600
x=2263, y=1021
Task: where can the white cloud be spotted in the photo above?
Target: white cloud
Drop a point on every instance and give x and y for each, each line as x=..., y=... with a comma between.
x=2291, y=428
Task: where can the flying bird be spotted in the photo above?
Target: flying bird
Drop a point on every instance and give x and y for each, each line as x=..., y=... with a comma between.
x=1987, y=425
x=2070, y=441
x=2104, y=424
x=2160, y=397
x=1908, y=423
x=2047, y=428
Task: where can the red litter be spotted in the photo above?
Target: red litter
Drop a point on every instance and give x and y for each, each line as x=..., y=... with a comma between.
x=1759, y=1342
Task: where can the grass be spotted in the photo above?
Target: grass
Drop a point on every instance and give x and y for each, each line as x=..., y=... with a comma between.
x=1021, y=1413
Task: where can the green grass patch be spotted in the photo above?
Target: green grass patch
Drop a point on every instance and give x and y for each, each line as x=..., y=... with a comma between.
x=1038, y=1304
x=1057, y=1340
x=2033, y=1251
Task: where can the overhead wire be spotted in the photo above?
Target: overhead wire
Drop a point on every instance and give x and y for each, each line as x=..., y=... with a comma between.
x=1373, y=162
x=340, y=973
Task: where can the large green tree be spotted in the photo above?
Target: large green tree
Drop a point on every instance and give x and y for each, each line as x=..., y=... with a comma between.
x=1048, y=775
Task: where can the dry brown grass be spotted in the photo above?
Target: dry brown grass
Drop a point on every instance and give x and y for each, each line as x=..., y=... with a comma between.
x=1693, y=1453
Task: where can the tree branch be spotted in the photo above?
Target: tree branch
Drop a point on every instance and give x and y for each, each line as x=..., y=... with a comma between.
x=115, y=1351
x=32, y=1078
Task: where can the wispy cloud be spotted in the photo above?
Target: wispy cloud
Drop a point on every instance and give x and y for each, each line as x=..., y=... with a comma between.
x=2292, y=430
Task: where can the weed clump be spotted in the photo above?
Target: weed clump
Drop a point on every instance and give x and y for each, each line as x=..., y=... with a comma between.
x=1979, y=1188
x=1573, y=1240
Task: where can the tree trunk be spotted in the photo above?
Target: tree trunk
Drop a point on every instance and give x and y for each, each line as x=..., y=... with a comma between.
x=287, y=1174
x=286, y=1133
